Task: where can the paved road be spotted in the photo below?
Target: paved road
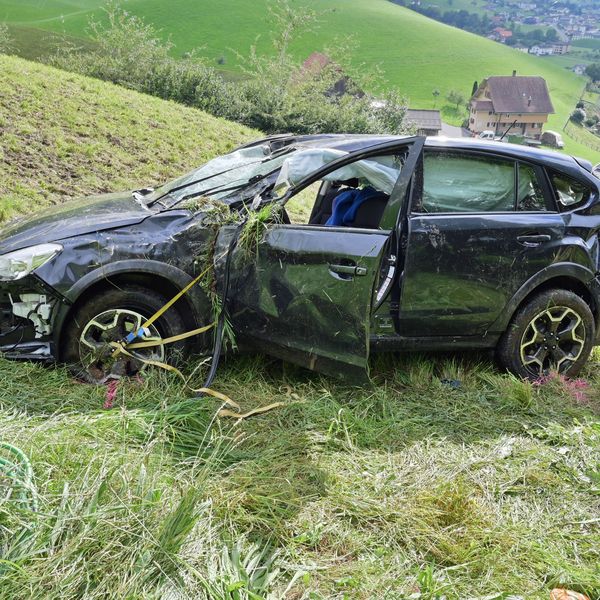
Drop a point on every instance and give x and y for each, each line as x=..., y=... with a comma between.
x=453, y=131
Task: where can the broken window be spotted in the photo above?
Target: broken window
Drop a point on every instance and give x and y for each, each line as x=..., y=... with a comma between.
x=569, y=192
x=354, y=195
x=219, y=176
x=462, y=183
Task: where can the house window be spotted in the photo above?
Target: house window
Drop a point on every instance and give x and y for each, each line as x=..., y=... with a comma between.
x=490, y=113
x=472, y=121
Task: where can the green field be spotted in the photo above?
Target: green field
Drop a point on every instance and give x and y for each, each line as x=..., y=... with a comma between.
x=415, y=54
x=587, y=43
x=408, y=488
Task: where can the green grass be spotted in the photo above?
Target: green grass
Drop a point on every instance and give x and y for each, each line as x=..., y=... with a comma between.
x=415, y=54
x=488, y=488
x=589, y=43
x=65, y=135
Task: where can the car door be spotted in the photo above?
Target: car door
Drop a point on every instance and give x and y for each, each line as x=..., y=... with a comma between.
x=480, y=228
x=305, y=293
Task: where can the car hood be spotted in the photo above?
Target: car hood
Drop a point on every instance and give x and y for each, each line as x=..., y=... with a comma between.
x=76, y=217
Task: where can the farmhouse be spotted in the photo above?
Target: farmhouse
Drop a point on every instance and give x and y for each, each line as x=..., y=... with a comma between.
x=521, y=104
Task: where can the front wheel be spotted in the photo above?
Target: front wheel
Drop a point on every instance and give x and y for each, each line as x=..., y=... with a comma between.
x=109, y=317
x=554, y=331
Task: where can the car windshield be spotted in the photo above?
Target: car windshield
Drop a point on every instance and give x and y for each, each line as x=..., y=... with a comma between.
x=218, y=176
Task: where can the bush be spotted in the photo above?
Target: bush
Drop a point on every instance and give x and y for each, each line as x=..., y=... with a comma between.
x=277, y=95
x=5, y=39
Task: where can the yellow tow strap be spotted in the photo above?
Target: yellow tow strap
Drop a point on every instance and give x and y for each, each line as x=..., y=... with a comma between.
x=170, y=340
x=161, y=311
x=120, y=348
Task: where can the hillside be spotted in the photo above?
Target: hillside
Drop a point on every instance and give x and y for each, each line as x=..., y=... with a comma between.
x=415, y=53
x=408, y=488
x=64, y=135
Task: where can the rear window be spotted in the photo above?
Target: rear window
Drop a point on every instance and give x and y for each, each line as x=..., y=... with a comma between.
x=467, y=183
x=570, y=193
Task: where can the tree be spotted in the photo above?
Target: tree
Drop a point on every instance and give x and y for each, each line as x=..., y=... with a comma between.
x=578, y=116
x=593, y=71
x=475, y=88
x=435, y=94
x=551, y=35
x=456, y=97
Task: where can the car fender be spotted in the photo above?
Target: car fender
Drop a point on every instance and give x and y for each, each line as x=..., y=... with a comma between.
x=571, y=270
x=196, y=296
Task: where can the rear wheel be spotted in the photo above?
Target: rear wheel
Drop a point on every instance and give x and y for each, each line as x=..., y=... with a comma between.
x=554, y=331
x=110, y=317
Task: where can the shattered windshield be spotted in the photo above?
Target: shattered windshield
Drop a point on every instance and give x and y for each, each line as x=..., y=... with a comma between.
x=217, y=177
x=224, y=174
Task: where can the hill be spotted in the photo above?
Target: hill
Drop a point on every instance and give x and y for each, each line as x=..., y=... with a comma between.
x=415, y=53
x=64, y=135
x=443, y=479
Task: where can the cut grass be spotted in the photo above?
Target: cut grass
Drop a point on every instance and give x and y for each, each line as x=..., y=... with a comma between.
x=488, y=487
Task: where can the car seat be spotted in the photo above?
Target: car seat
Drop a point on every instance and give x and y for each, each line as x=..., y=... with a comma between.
x=358, y=208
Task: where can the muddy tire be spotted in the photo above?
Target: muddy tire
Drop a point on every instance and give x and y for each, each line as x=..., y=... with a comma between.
x=554, y=331
x=108, y=317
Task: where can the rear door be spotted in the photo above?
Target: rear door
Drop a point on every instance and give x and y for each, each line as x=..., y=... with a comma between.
x=480, y=228
x=305, y=293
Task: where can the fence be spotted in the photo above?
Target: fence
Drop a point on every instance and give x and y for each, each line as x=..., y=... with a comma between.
x=581, y=135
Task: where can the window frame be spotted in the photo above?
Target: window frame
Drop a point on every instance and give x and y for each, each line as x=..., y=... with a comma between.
x=542, y=176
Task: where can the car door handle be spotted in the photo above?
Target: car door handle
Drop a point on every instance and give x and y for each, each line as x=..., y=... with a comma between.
x=354, y=270
x=534, y=239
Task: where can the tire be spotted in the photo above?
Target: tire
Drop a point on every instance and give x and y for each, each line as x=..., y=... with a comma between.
x=109, y=316
x=554, y=331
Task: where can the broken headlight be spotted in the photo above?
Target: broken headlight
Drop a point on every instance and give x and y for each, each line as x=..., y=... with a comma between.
x=16, y=265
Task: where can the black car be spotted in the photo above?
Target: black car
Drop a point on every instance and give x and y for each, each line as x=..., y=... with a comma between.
x=407, y=243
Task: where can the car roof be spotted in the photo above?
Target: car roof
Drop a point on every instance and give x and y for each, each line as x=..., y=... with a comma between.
x=357, y=142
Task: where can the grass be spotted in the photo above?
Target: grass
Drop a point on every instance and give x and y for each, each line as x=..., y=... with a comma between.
x=415, y=54
x=65, y=135
x=408, y=487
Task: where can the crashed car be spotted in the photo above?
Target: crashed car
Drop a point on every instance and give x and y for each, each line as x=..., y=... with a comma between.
x=407, y=243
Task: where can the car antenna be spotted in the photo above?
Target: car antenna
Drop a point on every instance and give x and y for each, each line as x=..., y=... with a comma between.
x=511, y=126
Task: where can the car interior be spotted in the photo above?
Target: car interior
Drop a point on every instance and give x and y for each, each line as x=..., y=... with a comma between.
x=353, y=196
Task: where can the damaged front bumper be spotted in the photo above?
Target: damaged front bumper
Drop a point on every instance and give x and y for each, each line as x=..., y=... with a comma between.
x=27, y=313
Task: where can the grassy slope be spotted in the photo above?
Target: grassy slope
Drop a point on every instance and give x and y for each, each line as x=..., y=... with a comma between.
x=66, y=135
x=416, y=54
x=491, y=487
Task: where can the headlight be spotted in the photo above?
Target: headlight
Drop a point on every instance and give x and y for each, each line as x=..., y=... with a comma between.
x=15, y=265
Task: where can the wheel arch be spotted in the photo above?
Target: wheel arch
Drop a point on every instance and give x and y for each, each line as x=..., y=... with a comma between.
x=574, y=278
x=157, y=276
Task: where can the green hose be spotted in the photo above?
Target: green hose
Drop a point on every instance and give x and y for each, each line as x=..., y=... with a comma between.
x=18, y=468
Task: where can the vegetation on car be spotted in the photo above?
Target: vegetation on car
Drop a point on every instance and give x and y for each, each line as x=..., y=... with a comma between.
x=445, y=478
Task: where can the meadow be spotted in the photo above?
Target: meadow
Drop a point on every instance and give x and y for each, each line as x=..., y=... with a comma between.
x=414, y=54
x=442, y=479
